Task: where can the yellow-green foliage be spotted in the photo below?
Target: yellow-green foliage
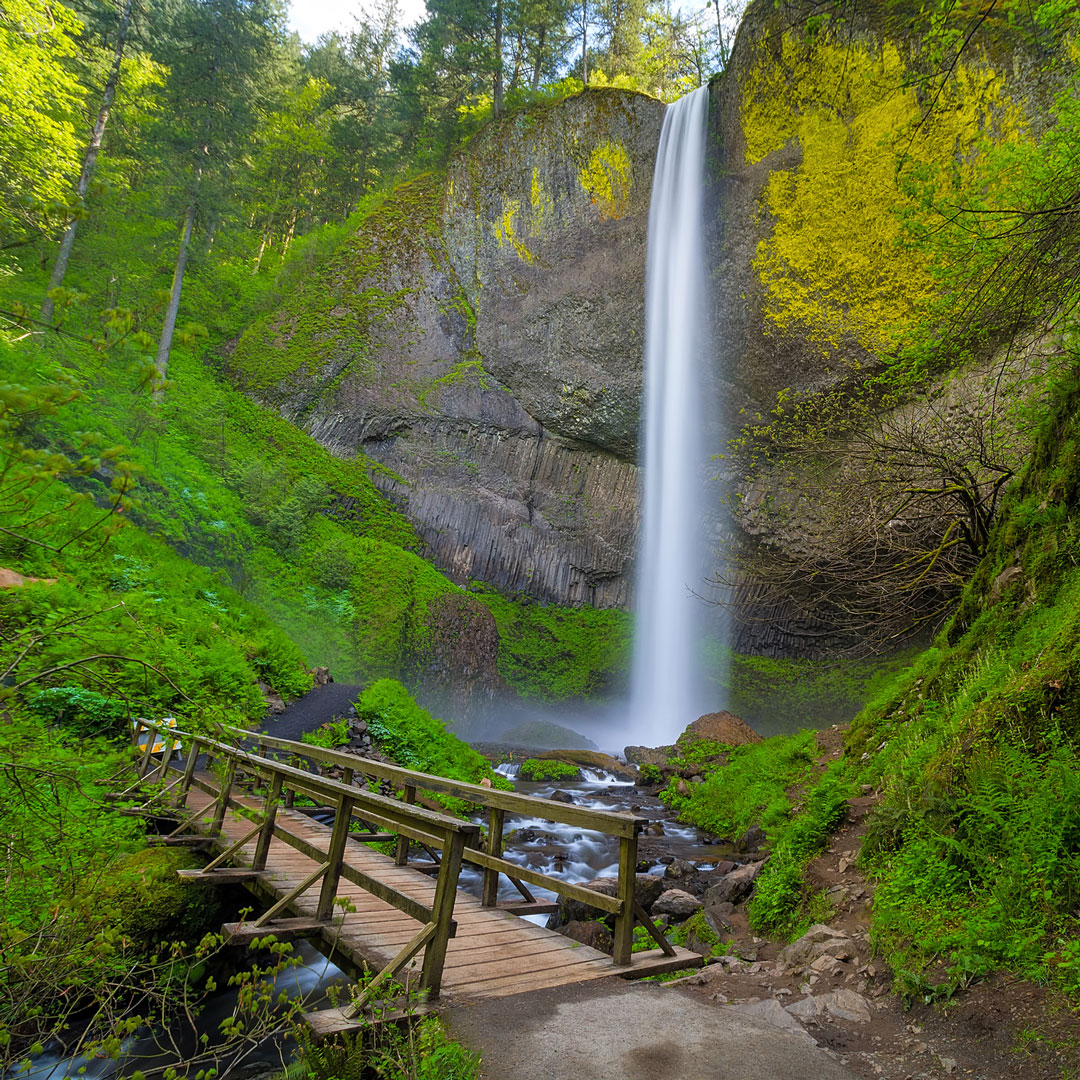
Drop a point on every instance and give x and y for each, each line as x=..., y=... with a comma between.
x=606, y=178
x=505, y=231
x=835, y=266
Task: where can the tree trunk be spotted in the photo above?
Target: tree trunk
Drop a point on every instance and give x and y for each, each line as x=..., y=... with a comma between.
x=497, y=105
x=585, y=42
x=539, y=60
x=262, y=248
x=165, y=344
x=63, y=256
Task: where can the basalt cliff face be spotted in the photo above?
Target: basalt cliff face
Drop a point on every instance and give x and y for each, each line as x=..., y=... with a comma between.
x=832, y=141
x=479, y=337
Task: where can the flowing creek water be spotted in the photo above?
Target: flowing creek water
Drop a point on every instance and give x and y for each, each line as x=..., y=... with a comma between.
x=579, y=855
x=310, y=979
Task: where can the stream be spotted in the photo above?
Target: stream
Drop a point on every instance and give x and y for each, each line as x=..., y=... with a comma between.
x=565, y=851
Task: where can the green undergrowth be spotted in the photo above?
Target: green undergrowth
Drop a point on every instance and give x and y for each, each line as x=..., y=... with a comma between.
x=535, y=770
x=777, y=697
x=783, y=904
x=752, y=788
x=550, y=653
x=976, y=843
x=415, y=739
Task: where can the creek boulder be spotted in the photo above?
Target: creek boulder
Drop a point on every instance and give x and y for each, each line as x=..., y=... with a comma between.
x=648, y=755
x=647, y=890
x=722, y=727
x=591, y=759
x=589, y=932
x=676, y=902
x=732, y=887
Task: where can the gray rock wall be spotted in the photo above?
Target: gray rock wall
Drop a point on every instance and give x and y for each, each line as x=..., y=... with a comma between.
x=481, y=338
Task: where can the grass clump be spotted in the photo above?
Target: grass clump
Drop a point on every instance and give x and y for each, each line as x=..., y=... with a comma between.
x=536, y=770
x=409, y=734
x=751, y=789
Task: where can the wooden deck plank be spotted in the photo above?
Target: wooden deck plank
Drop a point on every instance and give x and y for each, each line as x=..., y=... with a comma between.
x=494, y=953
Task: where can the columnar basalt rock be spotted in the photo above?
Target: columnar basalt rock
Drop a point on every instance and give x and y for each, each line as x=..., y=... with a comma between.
x=480, y=337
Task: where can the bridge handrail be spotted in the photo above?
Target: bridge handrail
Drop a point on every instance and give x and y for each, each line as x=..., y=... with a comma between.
x=396, y=815
x=610, y=822
x=450, y=834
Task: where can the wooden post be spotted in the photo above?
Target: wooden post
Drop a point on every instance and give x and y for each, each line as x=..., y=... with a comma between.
x=262, y=847
x=223, y=804
x=401, y=856
x=144, y=764
x=290, y=795
x=167, y=750
x=347, y=777
x=189, y=772
x=442, y=913
x=490, y=894
x=334, y=857
x=624, y=921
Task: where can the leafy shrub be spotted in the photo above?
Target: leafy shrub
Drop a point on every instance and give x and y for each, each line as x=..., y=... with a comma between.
x=84, y=712
x=414, y=738
x=650, y=775
x=537, y=770
x=330, y=735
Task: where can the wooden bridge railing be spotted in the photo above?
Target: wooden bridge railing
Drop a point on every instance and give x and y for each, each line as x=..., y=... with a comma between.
x=497, y=804
x=440, y=831
x=457, y=840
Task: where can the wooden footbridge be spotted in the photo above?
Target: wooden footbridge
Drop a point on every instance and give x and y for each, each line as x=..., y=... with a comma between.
x=235, y=794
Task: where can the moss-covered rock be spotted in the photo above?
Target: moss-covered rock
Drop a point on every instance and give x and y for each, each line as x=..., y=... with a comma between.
x=151, y=903
x=479, y=336
x=835, y=145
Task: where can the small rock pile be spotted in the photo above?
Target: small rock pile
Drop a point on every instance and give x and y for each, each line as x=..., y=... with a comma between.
x=681, y=892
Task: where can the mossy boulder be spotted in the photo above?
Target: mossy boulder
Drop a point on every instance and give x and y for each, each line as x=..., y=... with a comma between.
x=150, y=903
x=718, y=727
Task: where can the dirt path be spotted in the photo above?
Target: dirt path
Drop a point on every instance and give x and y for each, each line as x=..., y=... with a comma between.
x=1001, y=1028
x=314, y=709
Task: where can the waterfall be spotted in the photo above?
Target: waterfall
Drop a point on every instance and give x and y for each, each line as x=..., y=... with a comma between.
x=667, y=688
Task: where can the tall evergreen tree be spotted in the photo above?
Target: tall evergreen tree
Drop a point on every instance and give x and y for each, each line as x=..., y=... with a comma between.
x=220, y=54
x=56, y=279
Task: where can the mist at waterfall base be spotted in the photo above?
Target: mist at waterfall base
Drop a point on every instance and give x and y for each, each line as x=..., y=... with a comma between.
x=668, y=685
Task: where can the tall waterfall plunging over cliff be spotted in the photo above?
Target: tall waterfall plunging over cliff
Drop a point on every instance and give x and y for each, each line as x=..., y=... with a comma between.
x=667, y=689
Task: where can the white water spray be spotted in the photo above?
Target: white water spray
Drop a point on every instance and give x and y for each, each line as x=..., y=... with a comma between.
x=667, y=682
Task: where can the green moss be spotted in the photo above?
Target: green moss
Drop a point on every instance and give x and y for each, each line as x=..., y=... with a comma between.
x=391, y=591
x=552, y=653
x=536, y=770
x=749, y=788
x=149, y=902
x=606, y=178
x=836, y=266
x=327, y=322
